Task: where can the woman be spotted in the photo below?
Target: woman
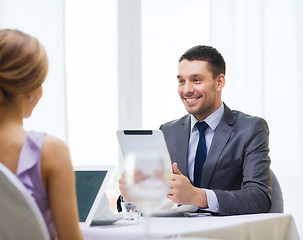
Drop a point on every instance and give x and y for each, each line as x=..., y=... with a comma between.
x=41, y=162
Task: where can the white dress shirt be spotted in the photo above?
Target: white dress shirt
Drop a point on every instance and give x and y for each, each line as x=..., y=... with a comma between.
x=212, y=121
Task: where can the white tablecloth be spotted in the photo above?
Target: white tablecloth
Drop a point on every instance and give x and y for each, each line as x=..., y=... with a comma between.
x=274, y=226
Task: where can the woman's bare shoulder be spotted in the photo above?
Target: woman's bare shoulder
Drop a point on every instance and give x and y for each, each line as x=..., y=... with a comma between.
x=52, y=141
x=55, y=151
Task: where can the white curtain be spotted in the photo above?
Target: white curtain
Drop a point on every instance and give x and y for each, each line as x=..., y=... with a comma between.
x=261, y=41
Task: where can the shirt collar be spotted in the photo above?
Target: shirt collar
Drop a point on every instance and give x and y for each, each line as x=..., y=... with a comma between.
x=212, y=120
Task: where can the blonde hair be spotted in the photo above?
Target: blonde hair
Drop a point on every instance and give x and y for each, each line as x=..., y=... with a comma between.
x=23, y=64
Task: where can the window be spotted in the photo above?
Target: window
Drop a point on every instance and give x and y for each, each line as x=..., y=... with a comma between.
x=169, y=28
x=91, y=81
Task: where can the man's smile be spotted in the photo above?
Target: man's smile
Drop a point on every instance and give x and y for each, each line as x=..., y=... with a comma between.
x=191, y=99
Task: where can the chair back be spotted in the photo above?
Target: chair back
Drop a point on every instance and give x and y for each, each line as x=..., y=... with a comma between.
x=277, y=203
x=20, y=217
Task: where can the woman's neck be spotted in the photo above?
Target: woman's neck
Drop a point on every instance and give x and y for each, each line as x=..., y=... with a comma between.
x=11, y=114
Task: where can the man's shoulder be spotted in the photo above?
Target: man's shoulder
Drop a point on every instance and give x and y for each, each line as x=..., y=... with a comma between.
x=176, y=133
x=181, y=121
x=241, y=118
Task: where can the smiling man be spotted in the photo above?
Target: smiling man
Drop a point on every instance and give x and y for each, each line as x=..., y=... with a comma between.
x=220, y=156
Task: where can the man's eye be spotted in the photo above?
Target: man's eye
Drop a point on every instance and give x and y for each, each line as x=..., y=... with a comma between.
x=196, y=80
x=181, y=81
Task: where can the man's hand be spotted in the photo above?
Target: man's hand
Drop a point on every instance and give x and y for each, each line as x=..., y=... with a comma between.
x=139, y=176
x=183, y=192
x=122, y=187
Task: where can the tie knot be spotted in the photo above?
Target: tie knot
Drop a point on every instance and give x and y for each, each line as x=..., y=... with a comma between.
x=201, y=126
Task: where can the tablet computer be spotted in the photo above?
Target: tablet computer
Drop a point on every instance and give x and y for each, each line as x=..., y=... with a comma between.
x=132, y=141
x=91, y=183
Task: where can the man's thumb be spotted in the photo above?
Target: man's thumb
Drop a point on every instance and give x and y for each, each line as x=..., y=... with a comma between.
x=176, y=169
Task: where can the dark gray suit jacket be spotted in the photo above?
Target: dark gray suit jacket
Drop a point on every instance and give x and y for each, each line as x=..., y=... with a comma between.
x=237, y=167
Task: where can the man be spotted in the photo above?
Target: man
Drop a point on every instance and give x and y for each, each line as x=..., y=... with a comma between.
x=236, y=176
x=221, y=164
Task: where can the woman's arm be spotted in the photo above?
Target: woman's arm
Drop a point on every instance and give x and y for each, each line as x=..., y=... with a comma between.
x=59, y=179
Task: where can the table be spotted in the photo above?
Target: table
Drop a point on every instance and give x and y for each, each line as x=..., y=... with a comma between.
x=268, y=226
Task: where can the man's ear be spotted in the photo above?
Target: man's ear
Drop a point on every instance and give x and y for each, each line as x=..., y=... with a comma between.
x=220, y=81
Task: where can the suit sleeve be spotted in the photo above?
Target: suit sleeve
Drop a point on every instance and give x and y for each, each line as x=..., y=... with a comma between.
x=254, y=196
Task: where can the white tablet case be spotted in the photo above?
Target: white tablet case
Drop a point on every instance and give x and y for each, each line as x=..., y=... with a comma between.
x=143, y=141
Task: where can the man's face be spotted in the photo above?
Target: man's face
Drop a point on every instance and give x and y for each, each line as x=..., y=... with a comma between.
x=198, y=90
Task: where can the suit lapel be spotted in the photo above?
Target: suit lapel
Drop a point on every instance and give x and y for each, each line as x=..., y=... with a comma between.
x=221, y=136
x=182, y=142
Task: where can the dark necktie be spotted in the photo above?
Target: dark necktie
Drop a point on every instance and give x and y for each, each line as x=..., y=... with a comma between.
x=200, y=153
